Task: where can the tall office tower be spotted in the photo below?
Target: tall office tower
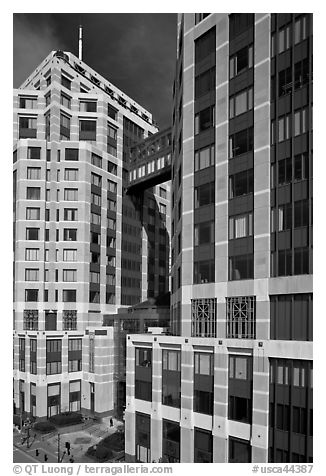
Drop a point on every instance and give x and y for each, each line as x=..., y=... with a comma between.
x=72, y=223
x=234, y=383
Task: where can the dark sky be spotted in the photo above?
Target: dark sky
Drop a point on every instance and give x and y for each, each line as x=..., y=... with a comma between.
x=136, y=52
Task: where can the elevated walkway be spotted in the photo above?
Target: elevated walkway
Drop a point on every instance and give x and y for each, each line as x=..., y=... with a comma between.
x=150, y=162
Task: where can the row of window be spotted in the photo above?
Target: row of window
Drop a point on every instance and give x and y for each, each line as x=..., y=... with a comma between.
x=284, y=36
x=288, y=170
x=68, y=295
x=31, y=320
x=150, y=167
x=283, y=126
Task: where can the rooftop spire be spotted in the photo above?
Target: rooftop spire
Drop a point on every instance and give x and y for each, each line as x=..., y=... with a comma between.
x=80, y=50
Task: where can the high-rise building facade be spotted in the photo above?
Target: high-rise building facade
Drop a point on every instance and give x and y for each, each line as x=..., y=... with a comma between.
x=234, y=382
x=80, y=243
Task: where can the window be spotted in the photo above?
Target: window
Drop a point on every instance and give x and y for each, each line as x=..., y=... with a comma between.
x=70, y=214
x=285, y=81
x=300, y=121
x=205, y=194
x=74, y=395
x=31, y=254
x=47, y=126
x=241, y=267
x=87, y=106
x=65, y=82
x=241, y=61
x=204, y=233
x=112, y=132
x=301, y=213
x=171, y=378
x=204, y=157
x=301, y=260
x=31, y=274
x=94, y=277
x=205, y=119
x=65, y=101
x=241, y=102
x=239, y=367
x=239, y=451
x=112, y=168
x=283, y=220
x=204, y=317
x=143, y=374
x=71, y=194
x=300, y=29
x=69, y=295
x=34, y=153
x=22, y=354
x=28, y=103
x=204, y=271
x=33, y=193
x=200, y=16
x=241, y=142
x=239, y=409
x=171, y=441
x=32, y=213
x=291, y=317
x=32, y=233
x=69, y=275
x=205, y=45
x=64, y=127
x=240, y=22
x=70, y=234
x=94, y=297
x=71, y=174
x=34, y=173
x=284, y=128
x=111, y=186
x=96, y=160
x=71, y=154
x=241, y=183
x=87, y=130
x=203, y=383
x=74, y=355
x=31, y=295
x=204, y=83
x=285, y=171
x=241, y=317
x=53, y=356
x=69, y=255
x=240, y=226
x=284, y=38
x=96, y=219
x=96, y=180
x=112, y=112
x=301, y=167
x=113, y=151
x=111, y=205
x=27, y=127
x=33, y=355
x=69, y=320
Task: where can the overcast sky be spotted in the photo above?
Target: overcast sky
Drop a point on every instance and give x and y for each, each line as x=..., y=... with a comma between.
x=136, y=52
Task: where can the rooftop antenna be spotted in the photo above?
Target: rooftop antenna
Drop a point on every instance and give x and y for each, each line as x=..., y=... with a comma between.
x=80, y=50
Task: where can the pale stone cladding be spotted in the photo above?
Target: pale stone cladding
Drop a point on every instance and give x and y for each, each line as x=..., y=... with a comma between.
x=261, y=285
x=221, y=428
x=55, y=89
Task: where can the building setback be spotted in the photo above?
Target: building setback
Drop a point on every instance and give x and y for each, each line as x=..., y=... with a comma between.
x=234, y=382
x=80, y=243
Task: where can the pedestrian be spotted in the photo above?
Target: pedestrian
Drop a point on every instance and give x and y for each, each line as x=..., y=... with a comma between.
x=111, y=421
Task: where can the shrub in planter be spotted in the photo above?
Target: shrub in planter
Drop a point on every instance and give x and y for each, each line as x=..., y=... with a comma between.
x=43, y=426
x=66, y=418
x=102, y=453
x=17, y=420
